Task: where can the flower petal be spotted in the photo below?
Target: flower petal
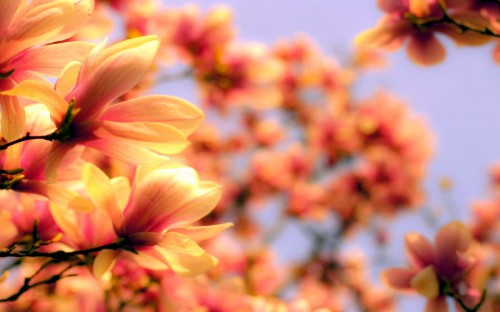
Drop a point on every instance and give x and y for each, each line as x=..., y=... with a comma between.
x=117, y=69
x=60, y=196
x=159, y=108
x=102, y=193
x=104, y=262
x=51, y=59
x=180, y=243
x=419, y=250
x=201, y=233
x=67, y=78
x=66, y=220
x=7, y=10
x=399, y=278
x=121, y=187
x=424, y=49
x=125, y=151
x=186, y=265
x=160, y=138
x=451, y=239
x=13, y=117
x=426, y=283
x=41, y=92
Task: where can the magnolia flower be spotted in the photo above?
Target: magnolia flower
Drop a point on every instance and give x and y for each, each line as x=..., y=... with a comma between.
x=26, y=29
x=132, y=131
x=155, y=217
x=437, y=271
x=22, y=166
x=415, y=21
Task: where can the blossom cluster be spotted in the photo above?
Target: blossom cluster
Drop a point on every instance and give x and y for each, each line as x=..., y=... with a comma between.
x=420, y=23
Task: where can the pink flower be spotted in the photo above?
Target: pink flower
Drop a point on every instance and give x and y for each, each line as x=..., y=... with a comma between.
x=133, y=131
x=437, y=271
x=26, y=29
x=155, y=217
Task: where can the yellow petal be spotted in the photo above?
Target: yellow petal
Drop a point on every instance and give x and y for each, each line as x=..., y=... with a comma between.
x=67, y=78
x=186, y=265
x=121, y=187
x=419, y=8
x=201, y=233
x=180, y=243
x=103, y=262
x=101, y=191
x=426, y=283
x=13, y=117
x=41, y=92
x=66, y=220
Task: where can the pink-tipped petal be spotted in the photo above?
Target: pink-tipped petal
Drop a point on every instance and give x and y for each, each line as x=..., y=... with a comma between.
x=125, y=151
x=419, y=250
x=115, y=74
x=157, y=108
x=158, y=137
x=38, y=24
x=51, y=59
x=399, y=278
x=158, y=196
x=451, y=239
x=7, y=10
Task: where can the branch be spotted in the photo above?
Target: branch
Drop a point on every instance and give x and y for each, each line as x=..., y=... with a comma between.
x=447, y=19
x=62, y=255
x=27, y=286
x=459, y=300
x=27, y=137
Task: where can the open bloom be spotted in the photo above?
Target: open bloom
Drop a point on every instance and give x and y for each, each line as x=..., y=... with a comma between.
x=437, y=271
x=155, y=217
x=26, y=29
x=132, y=131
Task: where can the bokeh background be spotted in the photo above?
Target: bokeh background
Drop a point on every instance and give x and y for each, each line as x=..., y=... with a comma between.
x=458, y=98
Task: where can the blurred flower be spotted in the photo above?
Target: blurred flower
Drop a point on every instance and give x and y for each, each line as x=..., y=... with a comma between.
x=437, y=271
